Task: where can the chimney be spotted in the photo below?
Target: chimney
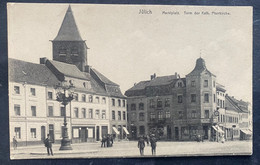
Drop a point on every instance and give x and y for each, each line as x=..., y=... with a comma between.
x=43, y=60
x=87, y=68
x=152, y=76
x=176, y=74
x=179, y=76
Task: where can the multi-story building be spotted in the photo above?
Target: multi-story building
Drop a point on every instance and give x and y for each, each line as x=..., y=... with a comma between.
x=176, y=108
x=34, y=111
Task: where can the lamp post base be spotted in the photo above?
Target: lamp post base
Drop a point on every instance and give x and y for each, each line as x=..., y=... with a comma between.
x=65, y=144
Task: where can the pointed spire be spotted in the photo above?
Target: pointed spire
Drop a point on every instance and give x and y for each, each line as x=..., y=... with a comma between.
x=68, y=30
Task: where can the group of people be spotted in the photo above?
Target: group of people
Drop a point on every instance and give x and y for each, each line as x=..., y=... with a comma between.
x=149, y=139
x=107, y=141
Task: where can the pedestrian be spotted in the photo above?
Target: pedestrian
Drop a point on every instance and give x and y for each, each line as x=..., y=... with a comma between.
x=141, y=145
x=48, y=145
x=15, y=143
x=153, y=145
x=112, y=141
x=103, y=141
x=222, y=138
x=147, y=139
x=108, y=140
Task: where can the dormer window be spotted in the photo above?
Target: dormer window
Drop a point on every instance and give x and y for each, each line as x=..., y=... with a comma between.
x=62, y=51
x=74, y=51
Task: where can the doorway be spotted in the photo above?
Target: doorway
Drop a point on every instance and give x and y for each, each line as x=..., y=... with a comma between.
x=133, y=132
x=205, y=131
x=51, y=132
x=97, y=132
x=176, y=133
x=42, y=133
x=169, y=132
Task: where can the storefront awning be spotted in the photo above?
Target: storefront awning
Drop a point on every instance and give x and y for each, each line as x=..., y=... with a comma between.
x=219, y=129
x=116, y=131
x=246, y=131
x=124, y=128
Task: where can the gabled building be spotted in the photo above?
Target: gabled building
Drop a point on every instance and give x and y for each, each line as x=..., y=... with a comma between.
x=34, y=111
x=176, y=108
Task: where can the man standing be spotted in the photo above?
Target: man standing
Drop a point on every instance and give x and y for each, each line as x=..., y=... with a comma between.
x=141, y=145
x=48, y=144
x=103, y=141
x=153, y=144
x=15, y=143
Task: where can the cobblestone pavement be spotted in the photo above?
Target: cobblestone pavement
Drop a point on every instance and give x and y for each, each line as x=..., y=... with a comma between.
x=129, y=149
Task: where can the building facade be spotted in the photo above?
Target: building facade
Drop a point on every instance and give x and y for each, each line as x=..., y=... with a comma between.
x=33, y=109
x=175, y=108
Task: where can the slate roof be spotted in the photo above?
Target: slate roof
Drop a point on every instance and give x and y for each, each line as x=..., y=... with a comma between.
x=234, y=104
x=103, y=78
x=199, y=67
x=220, y=87
x=158, y=81
x=68, y=30
x=31, y=73
x=69, y=70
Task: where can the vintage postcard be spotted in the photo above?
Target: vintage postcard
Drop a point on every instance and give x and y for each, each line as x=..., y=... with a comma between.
x=98, y=81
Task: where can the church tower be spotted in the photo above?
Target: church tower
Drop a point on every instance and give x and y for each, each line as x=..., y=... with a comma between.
x=68, y=46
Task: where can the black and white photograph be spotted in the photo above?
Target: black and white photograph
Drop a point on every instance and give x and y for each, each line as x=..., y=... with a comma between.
x=110, y=80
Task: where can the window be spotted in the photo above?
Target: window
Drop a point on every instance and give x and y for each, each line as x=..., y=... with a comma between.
x=193, y=114
x=160, y=115
x=62, y=51
x=74, y=51
x=214, y=84
x=50, y=110
x=119, y=102
x=103, y=100
x=76, y=112
x=119, y=115
x=17, y=132
x=17, y=111
x=141, y=116
x=133, y=116
x=113, y=115
x=97, y=114
x=90, y=113
x=180, y=99
x=133, y=107
x=83, y=113
x=159, y=103
x=152, y=116
x=223, y=104
x=50, y=97
x=193, y=98
x=193, y=84
x=33, y=110
x=76, y=97
x=83, y=98
x=214, y=98
x=151, y=103
x=123, y=115
x=179, y=84
x=97, y=99
x=62, y=111
x=180, y=114
x=33, y=132
x=33, y=93
x=90, y=98
x=103, y=114
x=168, y=114
x=141, y=106
x=113, y=102
x=206, y=115
x=206, y=83
x=123, y=103
x=206, y=97
x=167, y=102
x=16, y=89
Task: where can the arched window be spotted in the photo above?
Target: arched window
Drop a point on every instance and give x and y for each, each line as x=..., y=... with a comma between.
x=74, y=51
x=62, y=51
x=141, y=106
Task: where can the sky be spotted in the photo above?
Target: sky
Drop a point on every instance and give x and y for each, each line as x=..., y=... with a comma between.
x=128, y=47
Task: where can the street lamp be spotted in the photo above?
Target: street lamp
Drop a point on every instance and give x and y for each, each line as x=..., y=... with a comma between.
x=64, y=93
